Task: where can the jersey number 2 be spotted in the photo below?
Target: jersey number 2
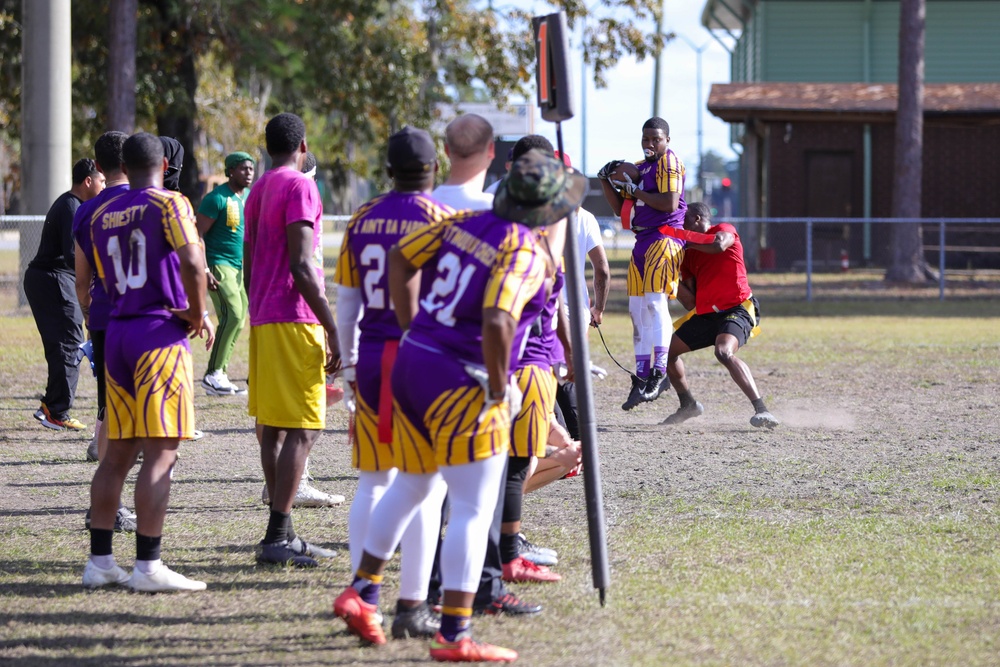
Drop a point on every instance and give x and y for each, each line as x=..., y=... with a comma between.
x=136, y=275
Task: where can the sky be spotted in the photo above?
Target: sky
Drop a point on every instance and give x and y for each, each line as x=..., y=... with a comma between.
x=615, y=114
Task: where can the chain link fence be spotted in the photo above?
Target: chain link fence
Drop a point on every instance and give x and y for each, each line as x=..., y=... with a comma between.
x=788, y=258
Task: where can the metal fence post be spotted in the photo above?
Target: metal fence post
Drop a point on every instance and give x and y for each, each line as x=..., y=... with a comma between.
x=809, y=260
x=941, y=260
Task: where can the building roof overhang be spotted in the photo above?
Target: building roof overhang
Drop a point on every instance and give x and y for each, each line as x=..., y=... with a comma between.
x=858, y=102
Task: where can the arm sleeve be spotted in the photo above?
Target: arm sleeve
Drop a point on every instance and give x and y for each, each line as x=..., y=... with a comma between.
x=349, y=309
x=670, y=173
x=518, y=273
x=178, y=222
x=346, y=274
x=420, y=246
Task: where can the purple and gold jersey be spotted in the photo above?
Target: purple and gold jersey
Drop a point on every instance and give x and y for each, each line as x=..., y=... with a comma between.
x=664, y=175
x=135, y=237
x=100, y=305
x=540, y=345
x=475, y=261
x=373, y=230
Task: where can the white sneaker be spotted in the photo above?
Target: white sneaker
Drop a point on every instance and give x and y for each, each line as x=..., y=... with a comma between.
x=95, y=577
x=163, y=580
x=307, y=496
x=217, y=383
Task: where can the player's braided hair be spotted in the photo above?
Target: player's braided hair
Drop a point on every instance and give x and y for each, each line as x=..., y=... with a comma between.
x=657, y=123
x=284, y=133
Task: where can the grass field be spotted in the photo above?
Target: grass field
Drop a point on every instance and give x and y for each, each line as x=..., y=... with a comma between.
x=864, y=531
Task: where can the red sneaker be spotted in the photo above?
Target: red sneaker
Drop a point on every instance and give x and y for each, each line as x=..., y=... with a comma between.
x=362, y=619
x=523, y=570
x=463, y=649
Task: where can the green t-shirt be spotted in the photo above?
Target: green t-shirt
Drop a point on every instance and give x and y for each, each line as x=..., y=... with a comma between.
x=224, y=241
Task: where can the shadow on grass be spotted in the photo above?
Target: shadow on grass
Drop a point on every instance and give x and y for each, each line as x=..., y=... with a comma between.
x=46, y=462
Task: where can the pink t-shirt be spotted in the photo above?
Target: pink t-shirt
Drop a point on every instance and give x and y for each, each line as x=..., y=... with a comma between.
x=281, y=197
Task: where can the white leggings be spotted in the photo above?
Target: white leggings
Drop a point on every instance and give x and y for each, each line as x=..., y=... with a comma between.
x=417, y=536
x=651, y=325
x=473, y=489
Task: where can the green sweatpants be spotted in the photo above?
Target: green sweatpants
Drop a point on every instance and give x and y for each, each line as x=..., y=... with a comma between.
x=230, y=302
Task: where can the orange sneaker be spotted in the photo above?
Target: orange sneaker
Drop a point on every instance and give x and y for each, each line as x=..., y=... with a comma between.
x=362, y=619
x=463, y=649
x=522, y=570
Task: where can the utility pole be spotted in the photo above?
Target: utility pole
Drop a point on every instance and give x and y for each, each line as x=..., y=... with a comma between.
x=657, y=61
x=698, y=51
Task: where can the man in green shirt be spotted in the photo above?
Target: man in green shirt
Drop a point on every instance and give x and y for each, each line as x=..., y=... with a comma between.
x=220, y=223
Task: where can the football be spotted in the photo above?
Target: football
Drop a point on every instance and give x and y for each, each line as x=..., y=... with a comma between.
x=625, y=168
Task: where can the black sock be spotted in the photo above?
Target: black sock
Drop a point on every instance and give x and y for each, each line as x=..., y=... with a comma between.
x=147, y=548
x=508, y=547
x=758, y=405
x=100, y=541
x=291, y=529
x=277, y=527
x=686, y=398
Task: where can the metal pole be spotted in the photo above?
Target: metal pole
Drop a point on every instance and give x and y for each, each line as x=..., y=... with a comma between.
x=701, y=154
x=657, y=63
x=941, y=260
x=809, y=260
x=585, y=403
x=583, y=99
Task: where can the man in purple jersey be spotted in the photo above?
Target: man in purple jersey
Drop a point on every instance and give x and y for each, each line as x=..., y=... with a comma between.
x=94, y=301
x=148, y=256
x=654, y=269
x=452, y=388
x=362, y=282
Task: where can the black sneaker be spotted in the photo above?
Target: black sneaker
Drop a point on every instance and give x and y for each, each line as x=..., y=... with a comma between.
x=279, y=553
x=419, y=622
x=636, y=395
x=507, y=604
x=303, y=548
x=685, y=413
x=124, y=520
x=656, y=384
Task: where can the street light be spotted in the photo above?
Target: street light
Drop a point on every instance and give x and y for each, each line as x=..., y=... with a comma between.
x=698, y=51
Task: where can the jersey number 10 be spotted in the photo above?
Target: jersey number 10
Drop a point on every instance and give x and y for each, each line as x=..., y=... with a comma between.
x=135, y=277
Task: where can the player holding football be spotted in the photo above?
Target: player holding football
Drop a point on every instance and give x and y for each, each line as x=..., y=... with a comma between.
x=362, y=286
x=654, y=268
x=149, y=259
x=452, y=389
x=725, y=314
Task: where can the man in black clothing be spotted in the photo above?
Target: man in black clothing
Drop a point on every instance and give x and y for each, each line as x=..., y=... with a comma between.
x=50, y=285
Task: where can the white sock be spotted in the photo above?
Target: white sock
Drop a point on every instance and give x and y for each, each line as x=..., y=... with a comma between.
x=148, y=566
x=104, y=562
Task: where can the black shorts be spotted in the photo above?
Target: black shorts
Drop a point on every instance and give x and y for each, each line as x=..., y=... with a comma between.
x=701, y=330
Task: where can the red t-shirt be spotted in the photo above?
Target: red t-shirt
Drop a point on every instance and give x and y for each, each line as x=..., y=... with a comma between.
x=720, y=279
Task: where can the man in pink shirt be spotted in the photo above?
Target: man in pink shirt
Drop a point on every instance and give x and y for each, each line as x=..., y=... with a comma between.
x=293, y=335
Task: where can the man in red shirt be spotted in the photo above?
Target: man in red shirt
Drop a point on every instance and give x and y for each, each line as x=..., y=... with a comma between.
x=725, y=314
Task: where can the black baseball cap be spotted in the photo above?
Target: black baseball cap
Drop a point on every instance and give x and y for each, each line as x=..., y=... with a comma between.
x=411, y=152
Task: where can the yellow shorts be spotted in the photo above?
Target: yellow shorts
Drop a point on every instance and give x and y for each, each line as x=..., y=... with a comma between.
x=163, y=405
x=660, y=269
x=287, y=381
x=531, y=426
x=367, y=453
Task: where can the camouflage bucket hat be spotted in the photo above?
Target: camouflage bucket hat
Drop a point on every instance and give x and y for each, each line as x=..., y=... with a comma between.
x=539, y=190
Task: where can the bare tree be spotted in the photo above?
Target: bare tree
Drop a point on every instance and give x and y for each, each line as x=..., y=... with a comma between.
x=908, y=263
x=123, y=25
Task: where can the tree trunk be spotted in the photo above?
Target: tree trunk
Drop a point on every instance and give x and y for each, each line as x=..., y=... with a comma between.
x=121, y=65
x=179, y=119
x=908, y=263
